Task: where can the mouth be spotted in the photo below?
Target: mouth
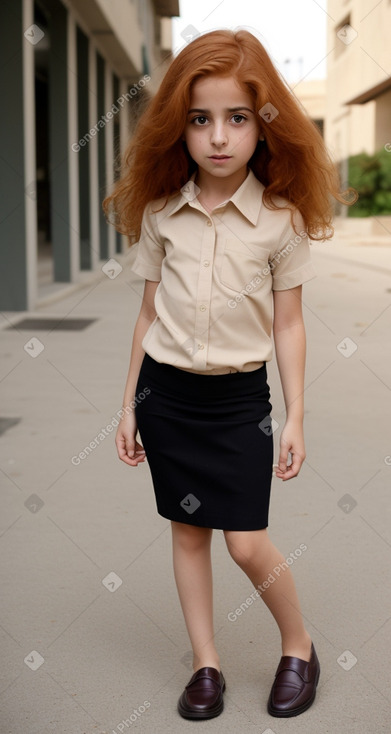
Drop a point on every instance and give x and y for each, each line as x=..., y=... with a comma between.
x=220, y=157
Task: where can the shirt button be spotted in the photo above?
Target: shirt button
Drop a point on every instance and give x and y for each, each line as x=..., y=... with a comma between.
x=203, y=307
x=200, y=346
x=208, y=223
x=206, y=263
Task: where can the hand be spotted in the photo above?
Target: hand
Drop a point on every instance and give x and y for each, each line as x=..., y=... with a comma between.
x=129, y=450
x=291, y=441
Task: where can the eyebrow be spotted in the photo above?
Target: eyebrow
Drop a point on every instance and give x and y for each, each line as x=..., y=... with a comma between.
x=230, y=109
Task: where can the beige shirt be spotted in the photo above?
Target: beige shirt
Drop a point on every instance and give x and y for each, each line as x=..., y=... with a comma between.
x=217, y=271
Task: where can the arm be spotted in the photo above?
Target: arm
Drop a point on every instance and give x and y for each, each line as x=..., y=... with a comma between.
x=290, y=346
x=129, y=450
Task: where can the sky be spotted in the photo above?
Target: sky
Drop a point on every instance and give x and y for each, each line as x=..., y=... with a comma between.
x=292, y=31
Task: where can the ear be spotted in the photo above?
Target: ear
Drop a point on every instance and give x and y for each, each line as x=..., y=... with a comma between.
x=261, y=137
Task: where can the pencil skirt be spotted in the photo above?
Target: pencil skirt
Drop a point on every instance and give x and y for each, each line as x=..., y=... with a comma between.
x=208, y=443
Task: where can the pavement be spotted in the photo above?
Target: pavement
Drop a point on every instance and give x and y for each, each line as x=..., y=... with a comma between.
x=92, y=634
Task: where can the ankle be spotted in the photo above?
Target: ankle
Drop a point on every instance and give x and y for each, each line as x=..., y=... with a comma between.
x=298, y=646
x=206, y=662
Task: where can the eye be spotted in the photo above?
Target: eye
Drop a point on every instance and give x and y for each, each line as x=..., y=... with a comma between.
x=200, y=120
x=238, y=118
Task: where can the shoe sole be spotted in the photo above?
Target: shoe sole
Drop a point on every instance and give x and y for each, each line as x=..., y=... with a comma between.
x=294, y=712
x=209, y=714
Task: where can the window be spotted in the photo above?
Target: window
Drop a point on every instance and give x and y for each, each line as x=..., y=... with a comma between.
x=345, y=35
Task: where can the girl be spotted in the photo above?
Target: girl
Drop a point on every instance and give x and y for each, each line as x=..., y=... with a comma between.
x=223, y=183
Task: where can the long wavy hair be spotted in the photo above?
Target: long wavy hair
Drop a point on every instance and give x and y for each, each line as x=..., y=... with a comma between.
x=292, y=162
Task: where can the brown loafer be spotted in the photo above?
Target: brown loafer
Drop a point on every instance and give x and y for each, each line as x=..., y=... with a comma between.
x=203, y=695
x=294, y=687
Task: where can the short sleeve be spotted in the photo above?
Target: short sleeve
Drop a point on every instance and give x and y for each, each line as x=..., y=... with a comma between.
x=291, y=263
x=150, y=251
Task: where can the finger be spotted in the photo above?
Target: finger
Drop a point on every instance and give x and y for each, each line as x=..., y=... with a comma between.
x=132, y=460
x=121, y=446
x=126, y=459
x=127, y=453
x=139, y=448
x=292, y=469
x=130, y=447
x=283, y=458
x=137, y=453
x=139, y=457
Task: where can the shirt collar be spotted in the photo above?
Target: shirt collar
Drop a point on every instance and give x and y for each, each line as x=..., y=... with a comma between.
x=247, y=198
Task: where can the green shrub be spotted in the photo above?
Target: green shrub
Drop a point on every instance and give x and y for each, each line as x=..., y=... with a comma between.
x=370, y=175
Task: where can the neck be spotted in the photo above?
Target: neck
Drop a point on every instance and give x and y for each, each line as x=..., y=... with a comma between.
x=213, y=187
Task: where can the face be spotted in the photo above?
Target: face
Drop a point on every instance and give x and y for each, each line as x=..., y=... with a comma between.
x=222, y=128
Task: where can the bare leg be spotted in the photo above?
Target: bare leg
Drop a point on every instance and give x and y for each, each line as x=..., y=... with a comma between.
x=256, y=555
x=193, y=576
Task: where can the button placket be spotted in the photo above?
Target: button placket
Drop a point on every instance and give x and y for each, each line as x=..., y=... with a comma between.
x=204, y=290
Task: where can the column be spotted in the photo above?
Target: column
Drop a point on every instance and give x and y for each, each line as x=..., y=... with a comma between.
x=73, y=155
x=18, y=210
x=60, y=151
x=83, y=125
x=93, y=145
x=102, y=137
x=110, y=105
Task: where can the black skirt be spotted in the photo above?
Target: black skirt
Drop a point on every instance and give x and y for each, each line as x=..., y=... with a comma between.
x=208, y=443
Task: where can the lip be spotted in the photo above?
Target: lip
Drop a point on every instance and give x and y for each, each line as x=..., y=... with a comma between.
x=220, y=157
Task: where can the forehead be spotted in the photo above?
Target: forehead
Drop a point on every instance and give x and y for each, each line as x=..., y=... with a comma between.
x=217, y=91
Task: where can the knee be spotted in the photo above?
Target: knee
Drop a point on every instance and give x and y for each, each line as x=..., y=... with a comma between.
x=246, y=547
x=190, y=538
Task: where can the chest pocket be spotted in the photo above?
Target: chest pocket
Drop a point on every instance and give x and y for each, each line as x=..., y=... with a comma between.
x=240, y=263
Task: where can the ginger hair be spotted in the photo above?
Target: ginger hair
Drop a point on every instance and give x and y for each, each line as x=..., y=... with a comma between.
x=292, y=162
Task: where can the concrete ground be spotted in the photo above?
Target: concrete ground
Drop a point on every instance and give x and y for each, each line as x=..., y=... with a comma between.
x=92, y=634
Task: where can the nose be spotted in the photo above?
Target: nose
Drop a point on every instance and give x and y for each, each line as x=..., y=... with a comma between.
x=219, y=134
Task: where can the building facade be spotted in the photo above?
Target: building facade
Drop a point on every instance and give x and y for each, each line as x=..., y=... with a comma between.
x=312, y=95
x=358, y=92
x=74, y=76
